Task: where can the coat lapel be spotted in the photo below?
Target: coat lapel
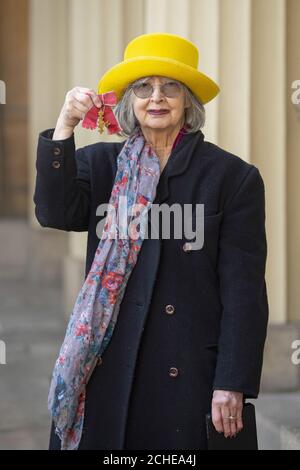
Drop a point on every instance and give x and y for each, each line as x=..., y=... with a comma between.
x=178, y=163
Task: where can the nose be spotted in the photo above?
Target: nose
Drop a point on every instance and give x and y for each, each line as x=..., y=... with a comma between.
x=157, y=95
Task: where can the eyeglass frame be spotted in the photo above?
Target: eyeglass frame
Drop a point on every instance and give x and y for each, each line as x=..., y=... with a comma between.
x=160, y=87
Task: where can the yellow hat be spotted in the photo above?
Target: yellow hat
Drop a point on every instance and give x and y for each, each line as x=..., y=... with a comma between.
x=167, y=55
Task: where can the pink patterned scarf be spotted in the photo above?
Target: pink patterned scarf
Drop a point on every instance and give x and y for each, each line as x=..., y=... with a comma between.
x=97, y=306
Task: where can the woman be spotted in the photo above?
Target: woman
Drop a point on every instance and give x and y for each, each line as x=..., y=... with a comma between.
x=161, y=333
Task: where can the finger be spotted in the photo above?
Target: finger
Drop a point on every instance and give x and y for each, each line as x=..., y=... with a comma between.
x=76, y=91
x=74, y=110
x=84, y=98
x=96, y=100
x=216, y=416
x=79, y=113
x=233, y=428
x=86, y=91
x=83, y=89
x=226, y=421
x=239, y=421
x=80, y=106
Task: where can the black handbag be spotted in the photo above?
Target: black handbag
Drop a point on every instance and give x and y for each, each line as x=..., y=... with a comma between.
x=246, y=439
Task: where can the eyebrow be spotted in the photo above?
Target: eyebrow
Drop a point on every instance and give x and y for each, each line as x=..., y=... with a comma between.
x=147, y=80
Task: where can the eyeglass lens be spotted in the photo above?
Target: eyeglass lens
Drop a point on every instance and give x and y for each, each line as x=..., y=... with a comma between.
x=169, y=89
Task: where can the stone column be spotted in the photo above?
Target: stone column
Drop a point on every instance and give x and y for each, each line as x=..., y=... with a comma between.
x=235, y=76
x=48, y=80
x=204, y=31
x=293, y=162
x=269, y=143
x=133, y=20
x=268, y=138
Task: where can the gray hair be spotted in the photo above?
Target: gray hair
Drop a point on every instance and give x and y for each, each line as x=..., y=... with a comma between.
x=194, y=115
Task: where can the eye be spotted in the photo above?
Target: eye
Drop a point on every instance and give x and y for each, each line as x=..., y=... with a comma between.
x=143, y=90
x=172, y=89
x=144, y=86
x=173, y=84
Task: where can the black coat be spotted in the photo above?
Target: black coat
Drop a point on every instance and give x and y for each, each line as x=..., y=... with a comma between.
x=190, y=321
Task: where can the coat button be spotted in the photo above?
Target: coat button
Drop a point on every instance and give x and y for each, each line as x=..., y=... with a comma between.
x=57, y=151
x=55, y=164
x=187, y=247
x=170, y=309
x=173, y=372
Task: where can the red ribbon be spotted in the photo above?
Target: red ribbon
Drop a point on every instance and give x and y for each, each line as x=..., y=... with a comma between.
x=90, y=119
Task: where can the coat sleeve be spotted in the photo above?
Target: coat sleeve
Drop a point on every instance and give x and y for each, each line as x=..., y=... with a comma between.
x=62, y=187
x=241, y=270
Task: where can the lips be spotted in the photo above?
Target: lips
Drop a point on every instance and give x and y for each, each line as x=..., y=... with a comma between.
x=158, y=112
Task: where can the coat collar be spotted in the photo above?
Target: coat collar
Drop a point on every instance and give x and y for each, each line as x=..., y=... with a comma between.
x=178, y=163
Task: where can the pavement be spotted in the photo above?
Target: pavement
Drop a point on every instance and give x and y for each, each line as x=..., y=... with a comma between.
x=278, y=421
x=32, y=326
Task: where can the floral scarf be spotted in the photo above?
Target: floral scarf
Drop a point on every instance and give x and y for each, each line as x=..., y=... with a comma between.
x=97, y=306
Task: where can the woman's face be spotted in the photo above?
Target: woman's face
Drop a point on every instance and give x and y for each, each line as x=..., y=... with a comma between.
x=159, y=111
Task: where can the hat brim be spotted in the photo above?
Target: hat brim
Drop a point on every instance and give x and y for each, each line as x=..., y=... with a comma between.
x=118, y=77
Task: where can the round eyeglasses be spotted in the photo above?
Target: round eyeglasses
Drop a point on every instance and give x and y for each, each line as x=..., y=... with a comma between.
x=169, y=89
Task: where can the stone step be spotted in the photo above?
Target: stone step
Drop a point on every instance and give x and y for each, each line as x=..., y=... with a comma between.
x=14, y=246
x=278, y=421
x=31, y=253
